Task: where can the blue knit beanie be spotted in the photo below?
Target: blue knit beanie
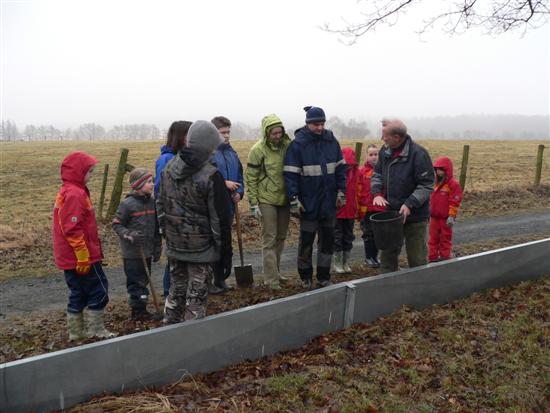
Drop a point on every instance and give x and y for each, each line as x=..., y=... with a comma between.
x=314, y=114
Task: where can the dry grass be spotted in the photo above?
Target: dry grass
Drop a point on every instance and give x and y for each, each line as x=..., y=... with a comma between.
x=29, y=180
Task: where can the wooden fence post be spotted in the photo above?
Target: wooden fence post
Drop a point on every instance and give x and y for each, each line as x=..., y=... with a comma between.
x=538, y=170
x=117, y=186
x=358, y=150
x=464, y=167
x=103, y=187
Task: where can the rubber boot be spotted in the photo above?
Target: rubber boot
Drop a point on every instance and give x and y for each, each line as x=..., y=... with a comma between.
x=346, y=262
x=75, y=326
x=96, y=326
x=339, y=262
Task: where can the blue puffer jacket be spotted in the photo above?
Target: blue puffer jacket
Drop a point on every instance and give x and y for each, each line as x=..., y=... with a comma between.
x=228, y=163
x=166, y=155
x=314, y=172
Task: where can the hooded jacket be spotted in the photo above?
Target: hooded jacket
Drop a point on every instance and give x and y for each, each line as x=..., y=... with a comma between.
x=193, y=208
x=364, y=194
x=74, y=226
x=137, y=213
x=447, y=195
x=349, y=211
x=166, y=155
x=405, y=178
x=228, y=163
x=264, y=173
x=315, y=171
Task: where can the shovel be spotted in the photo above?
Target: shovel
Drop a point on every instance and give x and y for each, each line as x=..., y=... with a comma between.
x=243, y=273
x=155, y=302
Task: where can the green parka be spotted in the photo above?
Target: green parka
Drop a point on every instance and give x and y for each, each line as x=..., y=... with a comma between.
x=264, y=173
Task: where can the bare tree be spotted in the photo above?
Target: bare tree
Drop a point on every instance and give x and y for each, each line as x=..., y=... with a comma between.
x=8, y=131
x=492, y=16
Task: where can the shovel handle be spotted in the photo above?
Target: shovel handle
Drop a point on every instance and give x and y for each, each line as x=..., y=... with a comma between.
x=155, y=302
x=239, y=235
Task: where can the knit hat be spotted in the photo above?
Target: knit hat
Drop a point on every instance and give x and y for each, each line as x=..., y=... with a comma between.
x=138, y=177
x=314, y=114
x=203, y=135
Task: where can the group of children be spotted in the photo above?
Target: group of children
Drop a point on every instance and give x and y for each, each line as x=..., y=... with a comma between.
x=191, y=202
x=444, y=203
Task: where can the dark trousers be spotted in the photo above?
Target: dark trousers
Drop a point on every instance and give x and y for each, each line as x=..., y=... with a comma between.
x=415, y=245
x=324, y=229
x=166, y=280
x=343, y=234
x=368, y=236
x=220, y=271
x=90, y=290
x=136, y=282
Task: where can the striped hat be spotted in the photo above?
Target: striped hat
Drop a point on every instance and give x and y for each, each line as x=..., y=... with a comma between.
x=138, y=177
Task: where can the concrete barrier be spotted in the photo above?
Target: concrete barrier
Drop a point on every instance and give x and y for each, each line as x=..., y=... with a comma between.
x=64, y=378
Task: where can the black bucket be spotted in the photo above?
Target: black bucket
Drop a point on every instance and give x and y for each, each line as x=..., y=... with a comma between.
x=388, y=229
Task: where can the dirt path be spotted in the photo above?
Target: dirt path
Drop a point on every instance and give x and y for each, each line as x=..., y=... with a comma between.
x=26, y=294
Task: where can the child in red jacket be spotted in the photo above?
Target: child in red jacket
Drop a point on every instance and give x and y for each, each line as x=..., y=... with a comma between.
x=77, y=249
x=345, y=217
x=444, y=203
x=366, y=207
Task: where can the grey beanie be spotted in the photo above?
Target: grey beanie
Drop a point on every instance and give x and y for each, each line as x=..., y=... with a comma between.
x=203, y=135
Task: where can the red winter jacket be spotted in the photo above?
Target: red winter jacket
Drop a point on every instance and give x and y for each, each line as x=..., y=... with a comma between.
x=364, y=194
x=447, y=195
x=349, y=211
x=74, y=224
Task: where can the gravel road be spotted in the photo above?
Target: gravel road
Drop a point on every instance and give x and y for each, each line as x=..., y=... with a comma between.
x=25, y=294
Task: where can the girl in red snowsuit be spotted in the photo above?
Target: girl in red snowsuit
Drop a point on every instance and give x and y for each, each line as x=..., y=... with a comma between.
x=366, y=207
x=444, y=203
x=345, y=216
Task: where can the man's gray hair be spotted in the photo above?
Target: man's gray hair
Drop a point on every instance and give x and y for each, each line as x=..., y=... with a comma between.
x=395, y=127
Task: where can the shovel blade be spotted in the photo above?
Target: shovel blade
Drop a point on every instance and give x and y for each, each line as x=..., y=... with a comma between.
x=244, y=276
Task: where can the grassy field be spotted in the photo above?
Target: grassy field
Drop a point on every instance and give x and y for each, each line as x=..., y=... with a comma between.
x=29, y=180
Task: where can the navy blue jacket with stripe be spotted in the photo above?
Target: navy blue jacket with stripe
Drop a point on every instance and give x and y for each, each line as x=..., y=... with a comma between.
x=314, y=171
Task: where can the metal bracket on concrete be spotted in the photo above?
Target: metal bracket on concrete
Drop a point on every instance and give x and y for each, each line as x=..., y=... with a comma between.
x=350, y=304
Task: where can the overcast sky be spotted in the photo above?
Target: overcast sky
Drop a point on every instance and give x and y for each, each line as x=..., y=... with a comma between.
x=112, y=62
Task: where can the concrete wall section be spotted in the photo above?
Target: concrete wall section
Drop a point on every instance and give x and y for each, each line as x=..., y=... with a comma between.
x=61, y=379
x=449, y=280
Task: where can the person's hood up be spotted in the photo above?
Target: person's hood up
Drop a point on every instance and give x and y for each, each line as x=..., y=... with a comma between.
x=268, y=123
x=166, y=149
x=349, y=156
x=446, y=164
x=75, y=166
x=187, y=162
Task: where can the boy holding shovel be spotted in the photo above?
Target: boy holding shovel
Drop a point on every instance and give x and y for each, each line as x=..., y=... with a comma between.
x=136, y=225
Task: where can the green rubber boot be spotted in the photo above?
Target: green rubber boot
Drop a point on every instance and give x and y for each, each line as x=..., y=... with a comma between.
x=339, y=262
x=75, y=326
x=96, y=326
x=346, y=262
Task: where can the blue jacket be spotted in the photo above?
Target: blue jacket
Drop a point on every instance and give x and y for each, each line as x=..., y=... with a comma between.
x=166, y=155
x=228, y=163
x=315, y=171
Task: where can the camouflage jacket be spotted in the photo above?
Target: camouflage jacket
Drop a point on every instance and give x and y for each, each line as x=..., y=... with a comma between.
x=192, y=208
